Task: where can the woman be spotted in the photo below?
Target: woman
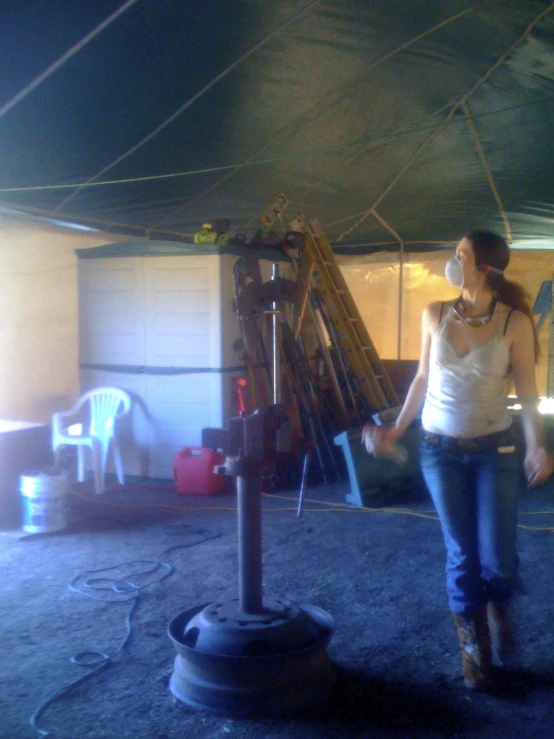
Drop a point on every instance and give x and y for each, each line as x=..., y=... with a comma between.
x=469, y=348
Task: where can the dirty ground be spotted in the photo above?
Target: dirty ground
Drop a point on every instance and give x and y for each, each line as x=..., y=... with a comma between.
x=380, y=574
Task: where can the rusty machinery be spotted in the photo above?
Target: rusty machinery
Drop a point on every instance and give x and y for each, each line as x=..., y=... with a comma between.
x=251, y=655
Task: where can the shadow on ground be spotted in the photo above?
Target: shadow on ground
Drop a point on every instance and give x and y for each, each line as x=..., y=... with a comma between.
x=360, y=701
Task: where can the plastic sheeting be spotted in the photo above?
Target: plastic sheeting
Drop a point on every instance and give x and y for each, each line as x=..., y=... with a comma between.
x=390, y=289
x=393, y=317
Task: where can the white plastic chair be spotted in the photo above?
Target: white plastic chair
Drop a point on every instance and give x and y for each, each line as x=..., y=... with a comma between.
x=91, y=424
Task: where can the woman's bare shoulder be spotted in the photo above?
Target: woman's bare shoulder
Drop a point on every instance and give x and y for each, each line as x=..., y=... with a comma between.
x=516, y=319
x=434, y=310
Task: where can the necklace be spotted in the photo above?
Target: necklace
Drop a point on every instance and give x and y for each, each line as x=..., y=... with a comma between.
x=456, y=311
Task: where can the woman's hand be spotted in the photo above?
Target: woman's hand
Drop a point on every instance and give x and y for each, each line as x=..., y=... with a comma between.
x=381, y=442
x=538, y=465
x=373, y=435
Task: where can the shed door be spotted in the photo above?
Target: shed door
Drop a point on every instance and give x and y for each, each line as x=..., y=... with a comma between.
x=111, y=311
x=163, y=314
x=182, y=324
x=112, y=332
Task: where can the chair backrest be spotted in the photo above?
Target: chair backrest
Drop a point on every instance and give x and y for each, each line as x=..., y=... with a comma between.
x=106, y=404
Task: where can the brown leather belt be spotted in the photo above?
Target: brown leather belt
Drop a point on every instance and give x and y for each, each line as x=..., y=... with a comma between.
x=476, y=444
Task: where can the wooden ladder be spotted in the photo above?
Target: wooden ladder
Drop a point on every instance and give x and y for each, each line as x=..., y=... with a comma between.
x=363, y=365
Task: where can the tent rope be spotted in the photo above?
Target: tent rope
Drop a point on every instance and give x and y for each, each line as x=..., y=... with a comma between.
x=189, y=102
x=487, y=169
x=455, y=107
x=406, y=129
x=64, y=58
x=324, y=101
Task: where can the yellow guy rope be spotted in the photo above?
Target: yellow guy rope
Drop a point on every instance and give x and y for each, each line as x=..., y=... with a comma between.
x=329, y=507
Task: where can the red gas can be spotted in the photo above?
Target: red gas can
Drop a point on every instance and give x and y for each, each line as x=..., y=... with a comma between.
x=193, y=471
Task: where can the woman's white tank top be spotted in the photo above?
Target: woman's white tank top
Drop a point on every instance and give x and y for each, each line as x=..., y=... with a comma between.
x=466, y=395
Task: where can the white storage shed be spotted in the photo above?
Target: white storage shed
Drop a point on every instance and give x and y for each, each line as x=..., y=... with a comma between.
x=157, y=320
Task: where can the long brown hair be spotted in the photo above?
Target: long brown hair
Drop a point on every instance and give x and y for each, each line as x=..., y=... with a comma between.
x=492, y=250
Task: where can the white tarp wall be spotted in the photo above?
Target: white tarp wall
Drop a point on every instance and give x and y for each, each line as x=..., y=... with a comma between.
x=374, y=281
x=39, y=371
x=39, y=323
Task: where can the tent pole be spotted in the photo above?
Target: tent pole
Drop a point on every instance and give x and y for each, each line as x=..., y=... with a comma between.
x=400, y=292
x=550, y=365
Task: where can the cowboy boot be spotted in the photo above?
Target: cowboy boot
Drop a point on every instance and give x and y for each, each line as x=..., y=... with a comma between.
x=501, y=628
x=475, y=645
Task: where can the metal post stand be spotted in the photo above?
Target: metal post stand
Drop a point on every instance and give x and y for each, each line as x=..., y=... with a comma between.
x=250, y=655
x=275, y=310
x=250, y=544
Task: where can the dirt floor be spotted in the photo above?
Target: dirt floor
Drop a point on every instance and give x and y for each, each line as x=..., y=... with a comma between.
x=380, y=574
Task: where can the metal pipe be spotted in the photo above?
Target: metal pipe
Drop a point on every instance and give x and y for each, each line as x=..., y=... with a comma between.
x=316, y=320
x=303, y=484
x=400, y=294
x=249, y=514
x=550, y=365
x=333, y=335
x=275, y=326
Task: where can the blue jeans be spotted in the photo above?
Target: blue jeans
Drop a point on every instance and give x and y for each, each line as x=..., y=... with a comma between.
x=475, y=494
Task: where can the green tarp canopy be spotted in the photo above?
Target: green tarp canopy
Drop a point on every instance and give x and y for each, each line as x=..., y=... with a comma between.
x=390, y=121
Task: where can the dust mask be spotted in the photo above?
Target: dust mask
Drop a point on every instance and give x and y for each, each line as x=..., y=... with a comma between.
x=454, y=272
